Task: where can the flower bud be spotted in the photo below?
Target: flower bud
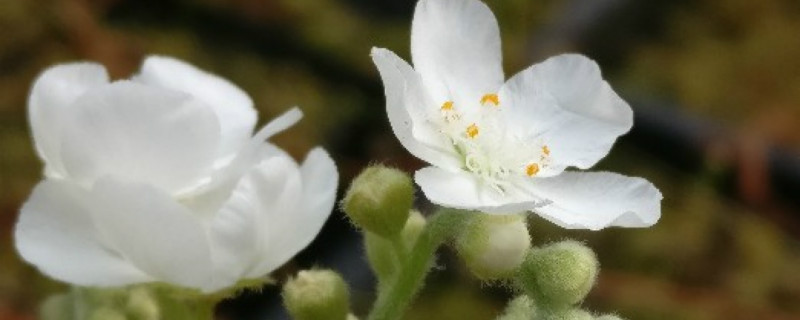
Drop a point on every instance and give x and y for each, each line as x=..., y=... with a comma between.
x=317, y=295
x=380, y=252
x=379, y=200
x=494, y=246
x=559, y=274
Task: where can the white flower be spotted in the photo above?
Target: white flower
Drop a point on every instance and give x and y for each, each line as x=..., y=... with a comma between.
x=158, y=178
x=503, y=147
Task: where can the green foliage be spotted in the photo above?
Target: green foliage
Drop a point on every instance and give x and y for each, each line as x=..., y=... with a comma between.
x=608, y=317
x=143, y=302
x=106, y=313
x=732, y=60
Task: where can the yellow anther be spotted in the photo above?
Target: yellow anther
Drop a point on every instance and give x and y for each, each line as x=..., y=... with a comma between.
x=472, y=131
x=490, y=97
x=545, y=150
x=448, y=105
x=532, y=169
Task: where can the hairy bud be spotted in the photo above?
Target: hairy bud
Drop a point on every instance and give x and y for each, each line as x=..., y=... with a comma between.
x=379, y=200
x=317, y=295
x=559, y=274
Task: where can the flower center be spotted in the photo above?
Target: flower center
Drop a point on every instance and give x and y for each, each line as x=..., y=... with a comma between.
x=489, y=148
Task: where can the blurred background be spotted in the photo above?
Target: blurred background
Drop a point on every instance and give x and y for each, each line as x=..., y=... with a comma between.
x=715, y=85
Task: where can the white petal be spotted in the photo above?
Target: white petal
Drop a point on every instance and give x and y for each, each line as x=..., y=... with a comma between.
x=233, y=107
x=320, y=180
x=278, y=125
x=53, y=92
x=55, y=232
x=406, y=101
x=254, y=150
x=248, y=228
x=463, y=190
x=565, y=104
x=225, y=178
x=455, y=46
x=595, y=200
x=155, y=233
x=140, y=133
x=209, y=197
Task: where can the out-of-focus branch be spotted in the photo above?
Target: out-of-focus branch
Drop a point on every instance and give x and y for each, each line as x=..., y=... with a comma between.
x=671, y=300
x=90, y=40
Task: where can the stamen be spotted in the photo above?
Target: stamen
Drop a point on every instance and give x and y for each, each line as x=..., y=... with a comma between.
x=472, y=131
x=532, y=169
x=472, y=162
x=490, y=97
x=448, y=105
x=545, y=150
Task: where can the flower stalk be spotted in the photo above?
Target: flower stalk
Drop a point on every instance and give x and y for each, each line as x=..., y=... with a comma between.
x=386, y=255
x=396, y=295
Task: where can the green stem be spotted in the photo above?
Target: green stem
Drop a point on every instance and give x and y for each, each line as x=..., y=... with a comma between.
x=381, y=256
x=399, y=246
x=396, y=295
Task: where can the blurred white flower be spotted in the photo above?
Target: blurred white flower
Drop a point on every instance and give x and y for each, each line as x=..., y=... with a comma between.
x=159, y=178
x=503, y=147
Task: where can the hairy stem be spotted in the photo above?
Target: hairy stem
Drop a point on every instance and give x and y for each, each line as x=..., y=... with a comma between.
x=396, y=295
x=399, y=247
